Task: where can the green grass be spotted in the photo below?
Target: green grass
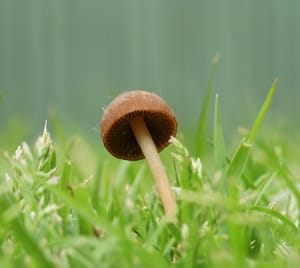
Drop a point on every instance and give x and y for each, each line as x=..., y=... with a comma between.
x=64, y=205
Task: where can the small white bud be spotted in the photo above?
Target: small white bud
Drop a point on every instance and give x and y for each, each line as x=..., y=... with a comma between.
x=185, y=231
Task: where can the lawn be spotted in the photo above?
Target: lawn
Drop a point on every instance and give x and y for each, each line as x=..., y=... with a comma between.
x=62, y=204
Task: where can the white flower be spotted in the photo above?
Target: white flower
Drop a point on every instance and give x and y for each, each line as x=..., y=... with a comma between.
x=197, y=166
x=185, y=231
x=18, y=153
x=8, y=179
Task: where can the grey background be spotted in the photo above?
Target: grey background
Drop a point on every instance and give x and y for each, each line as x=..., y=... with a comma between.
x=72, y=56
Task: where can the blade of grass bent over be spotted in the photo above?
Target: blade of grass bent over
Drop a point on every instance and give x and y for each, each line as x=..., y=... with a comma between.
x=271, y=212
x=201, y=132
x=241, y=155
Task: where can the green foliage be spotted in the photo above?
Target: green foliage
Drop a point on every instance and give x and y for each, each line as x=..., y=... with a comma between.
x=57, y=209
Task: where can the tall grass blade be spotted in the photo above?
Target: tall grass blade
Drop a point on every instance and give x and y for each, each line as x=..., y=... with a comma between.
x=219, y=145
x=262, y=112
x=201, y=132
x=241, y=155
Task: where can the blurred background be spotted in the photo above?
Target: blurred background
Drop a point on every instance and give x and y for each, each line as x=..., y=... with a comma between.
x=70, y=57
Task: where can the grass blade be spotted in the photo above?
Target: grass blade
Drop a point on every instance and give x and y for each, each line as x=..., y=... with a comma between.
x=241, y=155
x=239, y=159
x=219, y=146
x=262, y=112
x=201, y=133
x=271, y=212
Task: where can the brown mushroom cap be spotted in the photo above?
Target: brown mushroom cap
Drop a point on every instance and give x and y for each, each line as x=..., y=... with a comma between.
x=116, y=133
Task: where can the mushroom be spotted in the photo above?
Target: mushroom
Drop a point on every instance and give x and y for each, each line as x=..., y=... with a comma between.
x=138, y=124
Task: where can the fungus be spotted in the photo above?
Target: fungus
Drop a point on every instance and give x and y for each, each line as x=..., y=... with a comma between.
x=136, y=125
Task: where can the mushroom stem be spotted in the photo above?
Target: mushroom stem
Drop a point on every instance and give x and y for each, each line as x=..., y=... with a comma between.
x=149, y=150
